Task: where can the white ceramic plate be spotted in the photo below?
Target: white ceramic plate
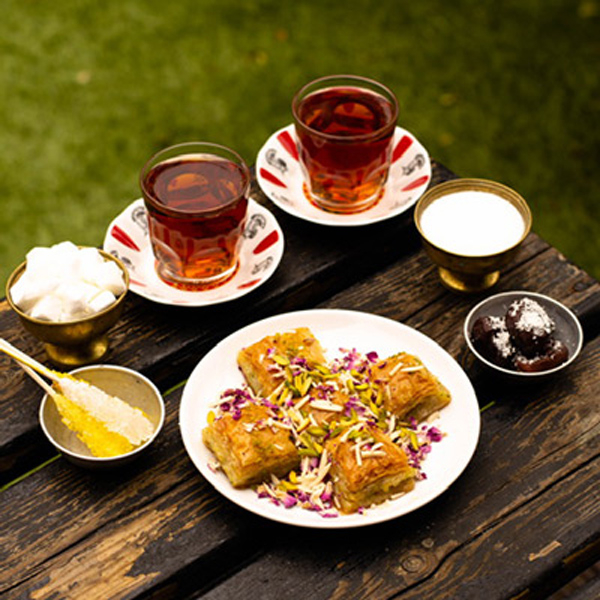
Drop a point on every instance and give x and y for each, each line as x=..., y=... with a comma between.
x=280, y=177
x=262, y=248
x=218, y=371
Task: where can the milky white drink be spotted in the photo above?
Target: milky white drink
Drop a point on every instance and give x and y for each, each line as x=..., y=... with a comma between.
x=472, y=223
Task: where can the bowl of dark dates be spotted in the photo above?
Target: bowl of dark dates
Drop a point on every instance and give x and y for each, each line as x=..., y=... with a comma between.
x=523, y=334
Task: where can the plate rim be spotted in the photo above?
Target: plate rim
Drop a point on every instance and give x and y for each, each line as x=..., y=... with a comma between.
x=252, y=204
x=286, y=516
x=356, y=223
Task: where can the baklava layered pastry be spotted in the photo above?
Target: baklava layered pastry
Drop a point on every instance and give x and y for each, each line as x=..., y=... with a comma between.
x=248, y=449
x=334, y=436
x=262, y=362
x=368, y=469
x=409, y=389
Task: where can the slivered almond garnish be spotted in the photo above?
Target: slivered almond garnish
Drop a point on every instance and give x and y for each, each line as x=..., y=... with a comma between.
x=276, y=391
x=358, y=455
x=302, y=402
x=326, y=405
x=396, y=368
x=279, y=424
x=391, y=425
x=348, y=431
x=372, y=453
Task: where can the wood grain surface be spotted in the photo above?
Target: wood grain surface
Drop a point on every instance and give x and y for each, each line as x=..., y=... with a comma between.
x=518, y=523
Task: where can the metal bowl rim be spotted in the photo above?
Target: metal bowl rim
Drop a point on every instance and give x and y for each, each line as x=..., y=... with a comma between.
x=516, y=294
x=107, y=459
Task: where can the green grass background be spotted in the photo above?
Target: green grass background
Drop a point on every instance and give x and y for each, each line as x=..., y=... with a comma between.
x=508, y=91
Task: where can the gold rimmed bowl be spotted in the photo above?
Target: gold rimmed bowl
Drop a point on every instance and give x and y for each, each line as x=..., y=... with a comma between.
x=78, y=342
x=470, y=273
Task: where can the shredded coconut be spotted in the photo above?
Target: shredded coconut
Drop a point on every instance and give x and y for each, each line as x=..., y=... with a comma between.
x=532, y=317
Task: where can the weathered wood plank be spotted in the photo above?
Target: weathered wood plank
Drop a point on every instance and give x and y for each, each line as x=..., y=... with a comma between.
x=162, y=341
x=421, y=557
x=587, y=591
x=541, y=269
x=491, y=491
x=63, y=506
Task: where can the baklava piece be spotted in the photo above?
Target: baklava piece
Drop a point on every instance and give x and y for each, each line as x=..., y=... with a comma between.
x=408, y=388
x=249, y=447
x=263, y=363
x=368, y=469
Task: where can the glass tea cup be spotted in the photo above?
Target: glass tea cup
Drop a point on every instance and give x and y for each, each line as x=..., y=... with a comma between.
x=344, y=126
x=196, y=197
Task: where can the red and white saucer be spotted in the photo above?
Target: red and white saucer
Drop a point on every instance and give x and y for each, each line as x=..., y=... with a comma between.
x=261, y=251
x=281, y=179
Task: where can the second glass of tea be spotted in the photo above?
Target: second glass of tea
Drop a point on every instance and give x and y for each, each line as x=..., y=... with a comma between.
x=196, y=197
x=344, y=126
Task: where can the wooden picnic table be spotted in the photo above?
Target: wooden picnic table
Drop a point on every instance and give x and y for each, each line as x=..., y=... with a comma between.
x=520, y=522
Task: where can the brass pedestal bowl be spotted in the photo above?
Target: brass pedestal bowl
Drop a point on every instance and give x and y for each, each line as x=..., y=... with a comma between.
x=467, y=273
x=71, y=344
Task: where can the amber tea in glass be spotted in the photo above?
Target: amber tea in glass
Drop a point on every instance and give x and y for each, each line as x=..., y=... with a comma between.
x=344, y=127
x=196, y=197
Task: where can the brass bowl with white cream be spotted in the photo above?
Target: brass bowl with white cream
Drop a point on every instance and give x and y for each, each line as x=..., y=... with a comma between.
x=471, y=229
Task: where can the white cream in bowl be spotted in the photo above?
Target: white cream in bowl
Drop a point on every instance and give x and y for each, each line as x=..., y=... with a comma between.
x=64, y=283
x=472, y=223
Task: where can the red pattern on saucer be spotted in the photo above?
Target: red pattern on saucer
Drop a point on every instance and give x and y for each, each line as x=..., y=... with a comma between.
x=270, y=177
x=121, y=236
x=288, y=143
x=401, y=147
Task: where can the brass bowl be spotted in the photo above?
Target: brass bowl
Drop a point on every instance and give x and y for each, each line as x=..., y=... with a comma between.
x=471, y=274
x=131, y=387
x=74, y=343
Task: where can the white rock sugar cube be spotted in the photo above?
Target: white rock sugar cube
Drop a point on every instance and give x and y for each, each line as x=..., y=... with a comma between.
x=41, y=264
x=29, y=289
x=87, y=262
x=66, y=251
x=48, y=308
x=23, y=294
x=76, y=297
x=101, y=301
x=55, y=261
x=107, y=276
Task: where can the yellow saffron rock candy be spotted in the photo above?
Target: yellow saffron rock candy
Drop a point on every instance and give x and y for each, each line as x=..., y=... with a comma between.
x=93, y=433
x=107, y=425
